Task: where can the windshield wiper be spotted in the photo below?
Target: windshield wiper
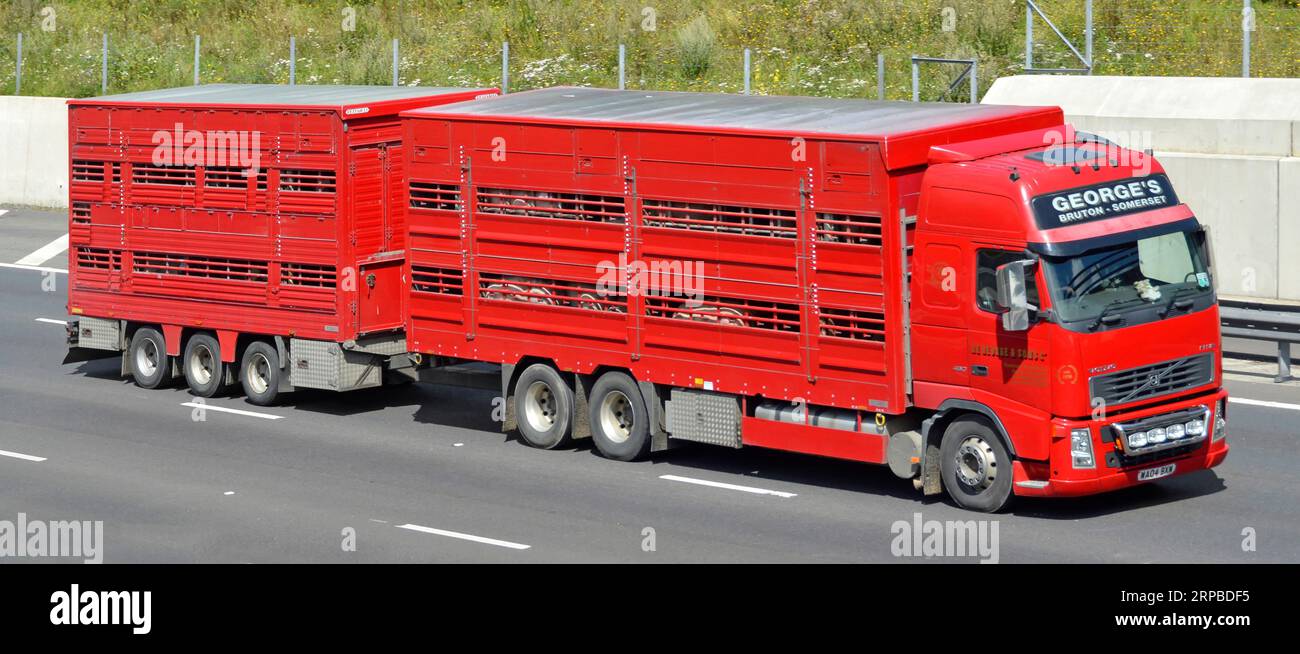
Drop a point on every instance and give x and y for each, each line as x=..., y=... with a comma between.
x=1102, y=317
x=1173, y=302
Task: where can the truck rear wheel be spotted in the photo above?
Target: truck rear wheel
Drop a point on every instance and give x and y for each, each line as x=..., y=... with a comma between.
x=620, y=425
x=204, y=371
x=543, y=407
x=259, y=373
x=975, y=465
x=147, y=358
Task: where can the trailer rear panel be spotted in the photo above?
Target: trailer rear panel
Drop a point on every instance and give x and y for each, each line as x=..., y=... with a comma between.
x=746, y=245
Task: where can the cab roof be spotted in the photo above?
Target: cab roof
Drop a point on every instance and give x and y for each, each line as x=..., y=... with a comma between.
x=349, y=101
x=906, y=130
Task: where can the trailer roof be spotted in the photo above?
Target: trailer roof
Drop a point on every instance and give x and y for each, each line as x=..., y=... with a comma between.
x=901, y=124
x=338, y=97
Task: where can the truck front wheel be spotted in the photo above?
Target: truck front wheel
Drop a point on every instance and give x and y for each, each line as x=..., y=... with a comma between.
x=975, y=465
x=620, y=425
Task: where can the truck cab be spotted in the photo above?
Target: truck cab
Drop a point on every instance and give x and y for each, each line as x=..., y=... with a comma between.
x=1064, y=298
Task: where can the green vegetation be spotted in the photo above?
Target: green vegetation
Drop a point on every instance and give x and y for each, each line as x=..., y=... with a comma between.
x=800, y=47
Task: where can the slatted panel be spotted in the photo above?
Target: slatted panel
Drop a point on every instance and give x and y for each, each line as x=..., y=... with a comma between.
x=168, y=185
x=437, y=281
x=95, y=267
x=308, y=286
x=728, y=311
x=305, y=190
x=433, y=196
x=720, y=218
x=182, y=265
x=849, y=229
x=549, y=292
x=550, y=204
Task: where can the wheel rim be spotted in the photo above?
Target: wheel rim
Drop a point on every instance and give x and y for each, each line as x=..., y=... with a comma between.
x=202, y=365
x=539, y=407
x=616, y=418
x=146, y=358
x=977, y=463
x=259, y=373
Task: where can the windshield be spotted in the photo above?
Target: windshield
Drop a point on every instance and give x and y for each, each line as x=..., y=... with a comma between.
x=1134, y=274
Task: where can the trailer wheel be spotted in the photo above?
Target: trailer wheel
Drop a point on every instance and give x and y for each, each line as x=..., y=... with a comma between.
x=259, y=373
x=620, y=424
x=147, y=358
x=543, y=407
x=975, y=465
x=202, y=363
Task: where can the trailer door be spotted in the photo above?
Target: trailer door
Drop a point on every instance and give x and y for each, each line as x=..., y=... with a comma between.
x=379, y=278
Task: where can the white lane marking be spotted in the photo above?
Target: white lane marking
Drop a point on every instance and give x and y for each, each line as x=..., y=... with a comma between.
x=53, y=321
x=36, y=268
x=239, y=412
x=469, y=537
x=45, y=253
x=1271, y=405
x=718, y=484
x=3, y=211
x=24, y=457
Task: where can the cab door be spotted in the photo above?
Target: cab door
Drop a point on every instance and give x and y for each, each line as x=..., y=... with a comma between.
x=1010, y=364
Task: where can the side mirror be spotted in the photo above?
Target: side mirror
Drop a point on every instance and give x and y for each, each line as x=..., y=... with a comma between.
x=1013, y=294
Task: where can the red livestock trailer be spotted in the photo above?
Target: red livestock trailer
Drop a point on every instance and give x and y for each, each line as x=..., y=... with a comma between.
x=954, y=290
x=240, y=230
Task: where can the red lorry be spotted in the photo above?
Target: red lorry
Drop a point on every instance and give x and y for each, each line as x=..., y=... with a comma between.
x=981, y=298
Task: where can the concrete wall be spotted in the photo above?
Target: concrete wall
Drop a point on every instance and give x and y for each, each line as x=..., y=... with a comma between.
x=34, y=151
x=1231, y=147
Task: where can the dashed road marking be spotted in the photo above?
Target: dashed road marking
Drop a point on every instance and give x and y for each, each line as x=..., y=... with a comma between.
x=735, y=487
x=1271, y=405
x=238, y=412
x=24, y=457
x=45, y=252
x=53, y=321
x=36, y=268
x=468, y=537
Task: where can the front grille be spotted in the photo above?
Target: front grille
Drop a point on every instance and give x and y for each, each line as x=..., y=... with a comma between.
x=1132, y=460
x=1155, y=380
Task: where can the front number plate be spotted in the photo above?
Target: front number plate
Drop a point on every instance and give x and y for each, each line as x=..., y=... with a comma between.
x=1156, y=473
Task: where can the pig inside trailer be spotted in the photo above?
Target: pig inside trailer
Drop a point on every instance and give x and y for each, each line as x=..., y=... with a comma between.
x=242, y=232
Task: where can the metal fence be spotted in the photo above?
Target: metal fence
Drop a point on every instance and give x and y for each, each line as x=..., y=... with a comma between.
x=1059, y=36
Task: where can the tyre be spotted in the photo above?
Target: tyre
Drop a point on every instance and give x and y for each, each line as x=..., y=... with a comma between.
x=202, y=364
x=259, y=373
x=620, y=424
x=543, y=407
x=975, y=465
x=147, y=358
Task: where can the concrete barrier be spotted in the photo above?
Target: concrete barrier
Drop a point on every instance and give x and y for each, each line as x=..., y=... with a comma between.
x=1230, y=146
x=34, y=147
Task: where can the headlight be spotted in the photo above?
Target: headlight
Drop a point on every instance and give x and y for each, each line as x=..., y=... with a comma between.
x=1175, y=432
x=1156, y=436
x=1081, y=448
x=1220, y=422
x=1195, y=428
x=1137, y=439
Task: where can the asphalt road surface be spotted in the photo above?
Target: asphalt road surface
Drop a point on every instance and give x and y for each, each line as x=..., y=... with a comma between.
x=422, y=474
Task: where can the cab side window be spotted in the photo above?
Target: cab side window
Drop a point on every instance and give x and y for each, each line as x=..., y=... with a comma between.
x=986, y=278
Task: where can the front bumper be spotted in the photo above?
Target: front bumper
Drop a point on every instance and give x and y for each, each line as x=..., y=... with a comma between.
x=1058, y=478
